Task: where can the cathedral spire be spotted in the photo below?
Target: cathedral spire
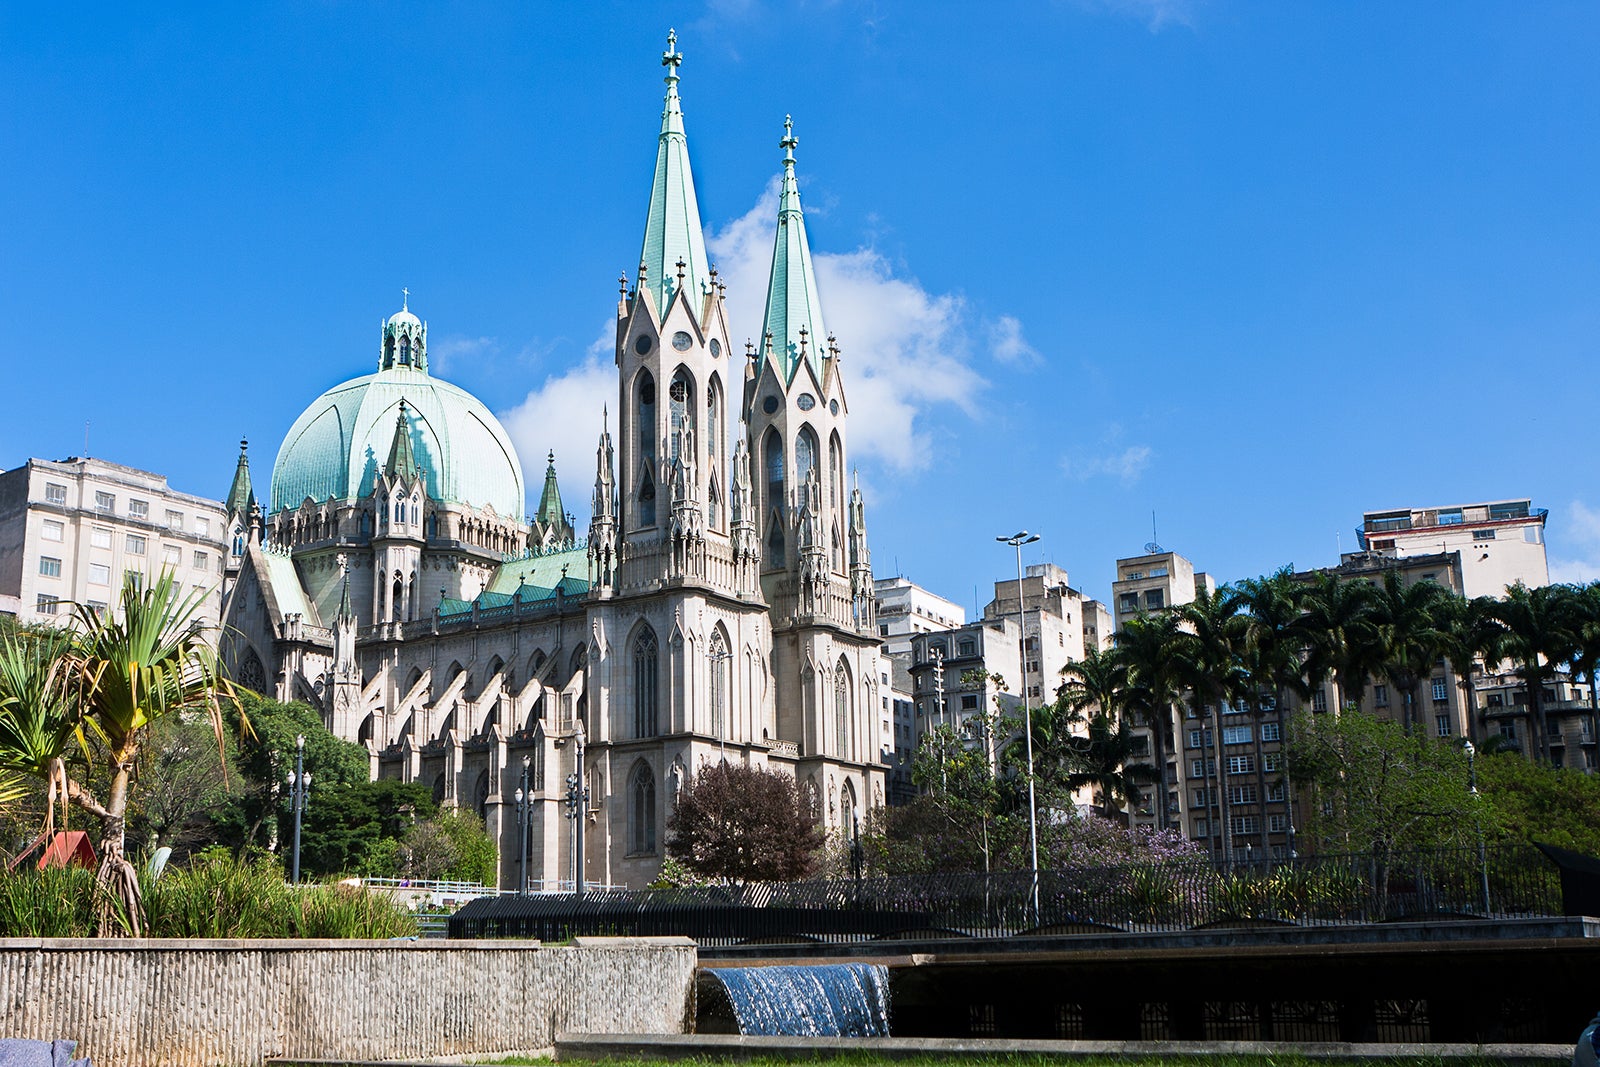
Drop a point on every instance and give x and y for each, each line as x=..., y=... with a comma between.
x=603, y=519
x=550, y=511
x=402, y=458
x=240, y=495
x=794, y=314
x=674, y=252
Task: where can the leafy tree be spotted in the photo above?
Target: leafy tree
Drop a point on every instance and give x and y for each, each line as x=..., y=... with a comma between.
x=740, y=823
x=1525, y=801
x=1541, y=630
x=1208, y=661
x=1344, y=640
x=343, y=825
x=1408, y=624
x=451, y=846
x=1104, y=760
x=958, y=822
x=1376, y=788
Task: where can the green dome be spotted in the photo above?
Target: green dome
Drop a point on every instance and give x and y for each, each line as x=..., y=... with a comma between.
x=335, y=448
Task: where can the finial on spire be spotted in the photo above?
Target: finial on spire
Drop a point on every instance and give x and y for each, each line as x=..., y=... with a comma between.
x=244, y=444
x=551, y=459
x=403, y=408
x=790, y=142
x=749, y=348
x=405, y=299
x=681, y=265
x=622, y=284
x=672, y=57
x=802, y=339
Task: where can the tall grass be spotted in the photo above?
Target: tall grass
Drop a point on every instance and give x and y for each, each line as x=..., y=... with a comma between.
x=216, y=896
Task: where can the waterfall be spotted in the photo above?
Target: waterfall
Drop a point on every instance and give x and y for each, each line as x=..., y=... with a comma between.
x=841, y=999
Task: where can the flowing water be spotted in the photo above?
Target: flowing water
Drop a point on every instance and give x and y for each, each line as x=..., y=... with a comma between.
x=841, y=999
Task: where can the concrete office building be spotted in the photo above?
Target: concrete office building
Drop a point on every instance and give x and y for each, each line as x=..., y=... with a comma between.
x=70, y=530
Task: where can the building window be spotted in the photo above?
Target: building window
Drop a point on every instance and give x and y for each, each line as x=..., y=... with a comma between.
x=1154, y=598
x=642, y=811
x=1242, y=794
x=105, y=502
x=1247, y=824
x=1237, y=735
x=136, y=545
x=201, y=560
x=53, y=530
x=97, y=605
x=1441, y=723
x=1270, y=731
x=1202, y=798
x=55, y=494
x=1202, y=828
x=1203, y=768
x=202, y=526
x=100, y=537
x=1276, y=823
x=720, y=657
x=1483, y=535
x=841, y=710
x=1272, y=762
x=969, y=702
x=47, y=604
x=49, y=567
x=1276, y=793
x=646, y=690
x=171, y=556
x=1441, y=691
x=1380, y=695
x=1319, y=700
x=138, y=509
x=1241, y=764
x=1128, y=602
x=967, y=647
x=1199, y=738
x=99, y=574
x=174, y=520
x=883, y=629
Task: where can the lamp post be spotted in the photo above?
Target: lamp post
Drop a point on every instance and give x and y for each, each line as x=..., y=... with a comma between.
x=577, y=807
x=524, y=801
x=299, y=782
x=1477, y=817
x=1016, y=541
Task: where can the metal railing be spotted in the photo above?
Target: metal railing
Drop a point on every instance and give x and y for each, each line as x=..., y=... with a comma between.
x=1309, y=891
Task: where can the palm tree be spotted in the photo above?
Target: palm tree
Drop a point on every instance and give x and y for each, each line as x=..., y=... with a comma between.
x=1539, y=633
x=1104, y=761
x=39, y=720
x=1472, y=636
x=1339, y=618
x=1094, y=684
x=1207, y=660
x=144, y=663
x=1144, y=649
x=1586, y=654
x=1277, y=647
x=1408, y=623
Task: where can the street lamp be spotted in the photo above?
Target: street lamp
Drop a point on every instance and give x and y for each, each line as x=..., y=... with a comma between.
x=1477, y=817
x=577, y=807
x=1016, y=541
x=299, y=782
x=524, y=801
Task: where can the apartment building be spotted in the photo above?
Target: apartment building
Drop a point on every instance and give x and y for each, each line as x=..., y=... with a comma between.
x=905, y=608
x=1501, y=542
x=70, y=530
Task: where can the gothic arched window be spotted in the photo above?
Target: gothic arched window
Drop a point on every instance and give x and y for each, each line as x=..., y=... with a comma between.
x=713, y=419
x=805, y=459
x=835, y=473
x=713, y=505
x=841, y=707
x=721, y=659
x=642, y=810
x=405, y=351
x=646, y=684
x=647, y=417
x=775, y=477
x=647, y=501
x=680, y=401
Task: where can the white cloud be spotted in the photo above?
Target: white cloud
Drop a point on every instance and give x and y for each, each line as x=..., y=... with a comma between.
x=905, y=349
x=564, y=415
x=1581, y=538
x=450, y=351
x=1124, y=464
x=1007, y=345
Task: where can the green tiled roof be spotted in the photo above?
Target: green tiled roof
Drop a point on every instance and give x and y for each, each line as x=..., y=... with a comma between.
x=529, y=579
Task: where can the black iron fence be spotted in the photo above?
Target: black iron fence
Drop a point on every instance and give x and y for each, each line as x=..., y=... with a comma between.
x=1505, y=881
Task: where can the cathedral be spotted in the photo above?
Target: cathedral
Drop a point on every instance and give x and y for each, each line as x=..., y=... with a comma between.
x=719, y=607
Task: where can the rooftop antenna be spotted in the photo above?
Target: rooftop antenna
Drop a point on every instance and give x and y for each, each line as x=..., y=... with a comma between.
x=85, y=437
x=1152, y=546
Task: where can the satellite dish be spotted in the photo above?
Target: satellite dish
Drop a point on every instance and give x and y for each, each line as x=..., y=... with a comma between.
x=1151, y=548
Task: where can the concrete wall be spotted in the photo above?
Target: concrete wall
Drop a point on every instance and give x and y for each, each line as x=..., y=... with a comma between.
x=236, y=1003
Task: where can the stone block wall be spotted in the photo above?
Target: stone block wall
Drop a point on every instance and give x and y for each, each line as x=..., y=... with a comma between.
x=176, y=1003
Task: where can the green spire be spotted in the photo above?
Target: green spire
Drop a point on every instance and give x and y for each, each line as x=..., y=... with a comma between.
x=402, y=458
x=550, y=512
x=240, y=495
x=794, y=314
x=674, y=247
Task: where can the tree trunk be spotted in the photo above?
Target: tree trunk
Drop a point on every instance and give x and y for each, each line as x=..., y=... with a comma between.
x=119, y=909
x=1159, y=719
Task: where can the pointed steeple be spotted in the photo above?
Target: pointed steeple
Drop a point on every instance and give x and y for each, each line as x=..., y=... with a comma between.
x=240, y=495
x=793, y=325
x=674, y=250
x=402, y=458
x=550, y=511
x=603, y=521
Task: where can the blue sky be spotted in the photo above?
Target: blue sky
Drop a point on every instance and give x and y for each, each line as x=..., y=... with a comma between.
x=1254, y=267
